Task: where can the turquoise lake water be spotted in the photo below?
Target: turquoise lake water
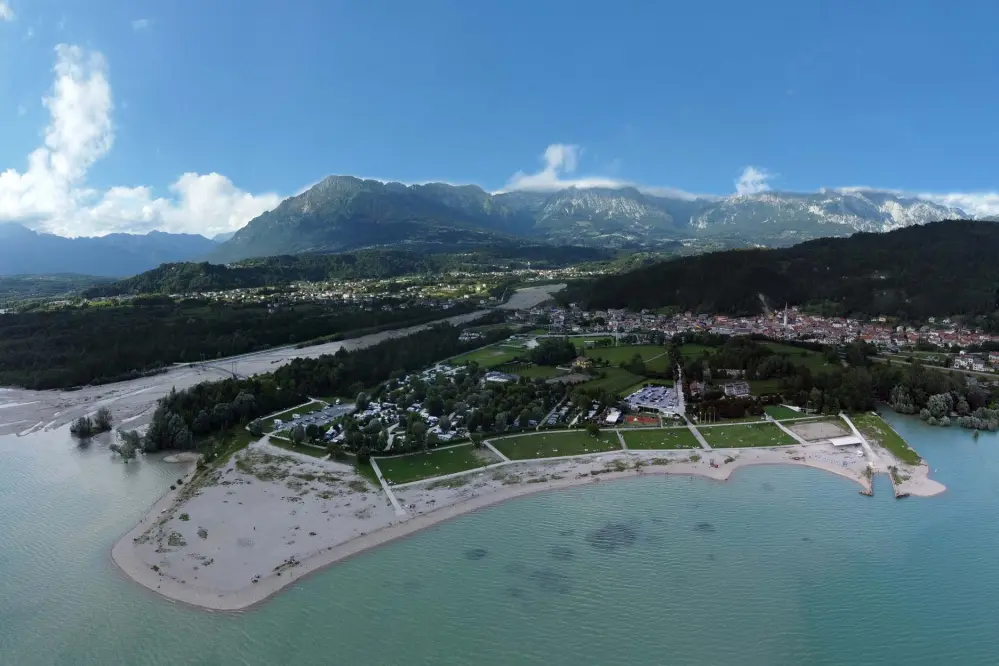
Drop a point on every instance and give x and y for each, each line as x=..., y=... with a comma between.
x=776, y=566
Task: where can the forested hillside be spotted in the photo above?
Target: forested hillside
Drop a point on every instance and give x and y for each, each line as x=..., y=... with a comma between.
x=386, y=263
x=943, y=268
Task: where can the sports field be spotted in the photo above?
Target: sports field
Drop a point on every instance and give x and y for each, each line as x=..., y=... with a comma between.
x=738, y=436
x=661, y=438
x=553, y=444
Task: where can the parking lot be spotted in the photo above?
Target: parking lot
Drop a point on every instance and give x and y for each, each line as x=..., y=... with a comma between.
x=659, y=398
x=319, y=418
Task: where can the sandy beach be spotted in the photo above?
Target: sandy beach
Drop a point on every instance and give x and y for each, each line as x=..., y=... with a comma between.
x=269, y=517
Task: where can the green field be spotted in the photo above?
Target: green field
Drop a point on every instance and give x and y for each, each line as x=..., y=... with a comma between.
x=532, y=371
x=762, y=386
x=417, y=466
x=581, y=342
x=553, y=444
x=488, y=357
x=813, y=360
x=739, y=436
x=624, y=354
x=661, y=438
x=694, y=351
x=302, y=410
x=876, y=429
x=781, y=413
x=617, y=379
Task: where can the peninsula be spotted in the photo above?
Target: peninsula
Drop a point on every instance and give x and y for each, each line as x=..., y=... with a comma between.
x=234, y=535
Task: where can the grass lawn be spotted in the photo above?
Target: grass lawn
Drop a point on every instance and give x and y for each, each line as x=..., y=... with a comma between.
x=303, y=409
x=695, y=351
x=552, y=444
x=739, y=436
x=488, y=357
x=664, y=438
x=231, y=441
x=780, y=412
x=416, y=466
x=624, y=354
x=533, y=371
x=617, y=379
x=875, y=428
x=313, y=451
x=581, y=342
x=813, y=360
x=761, y=386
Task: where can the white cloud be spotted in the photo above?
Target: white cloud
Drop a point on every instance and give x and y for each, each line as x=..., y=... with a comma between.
x=141, y=24
x=6, y=13
x=51, y=194
x=560, y=160
x=752, y=181
x=979, y=204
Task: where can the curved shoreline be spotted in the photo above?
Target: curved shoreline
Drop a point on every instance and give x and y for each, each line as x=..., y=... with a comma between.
x=267, y=586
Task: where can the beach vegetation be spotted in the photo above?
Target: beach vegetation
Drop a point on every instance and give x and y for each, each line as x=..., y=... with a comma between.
x=877, y=430
x=358, y=486
x=454, y=482
x=86, y=426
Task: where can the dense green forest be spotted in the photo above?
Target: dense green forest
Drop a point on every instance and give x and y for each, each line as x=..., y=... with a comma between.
x=283, y=270
x=213, y=407
x=94, y=345
x=938, y=269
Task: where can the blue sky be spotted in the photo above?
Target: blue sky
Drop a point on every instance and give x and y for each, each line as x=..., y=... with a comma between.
x=198, y=115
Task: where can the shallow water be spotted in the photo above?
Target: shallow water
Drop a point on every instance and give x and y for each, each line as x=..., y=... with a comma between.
x=778, y=565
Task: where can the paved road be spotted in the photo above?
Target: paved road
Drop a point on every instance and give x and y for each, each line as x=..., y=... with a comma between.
x=872, y=457
x=697, y=435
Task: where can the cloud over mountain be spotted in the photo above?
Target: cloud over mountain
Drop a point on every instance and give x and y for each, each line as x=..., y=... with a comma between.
x=51, y=194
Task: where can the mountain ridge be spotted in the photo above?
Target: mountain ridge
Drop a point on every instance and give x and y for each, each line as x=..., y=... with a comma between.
x=342, y=213
x=27, y=252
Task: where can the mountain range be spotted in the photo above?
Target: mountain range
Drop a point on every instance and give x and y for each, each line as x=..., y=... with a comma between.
x=344, y=213
x=23, y=251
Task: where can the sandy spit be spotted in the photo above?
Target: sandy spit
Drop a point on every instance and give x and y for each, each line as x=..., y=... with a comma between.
x=272, y=517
